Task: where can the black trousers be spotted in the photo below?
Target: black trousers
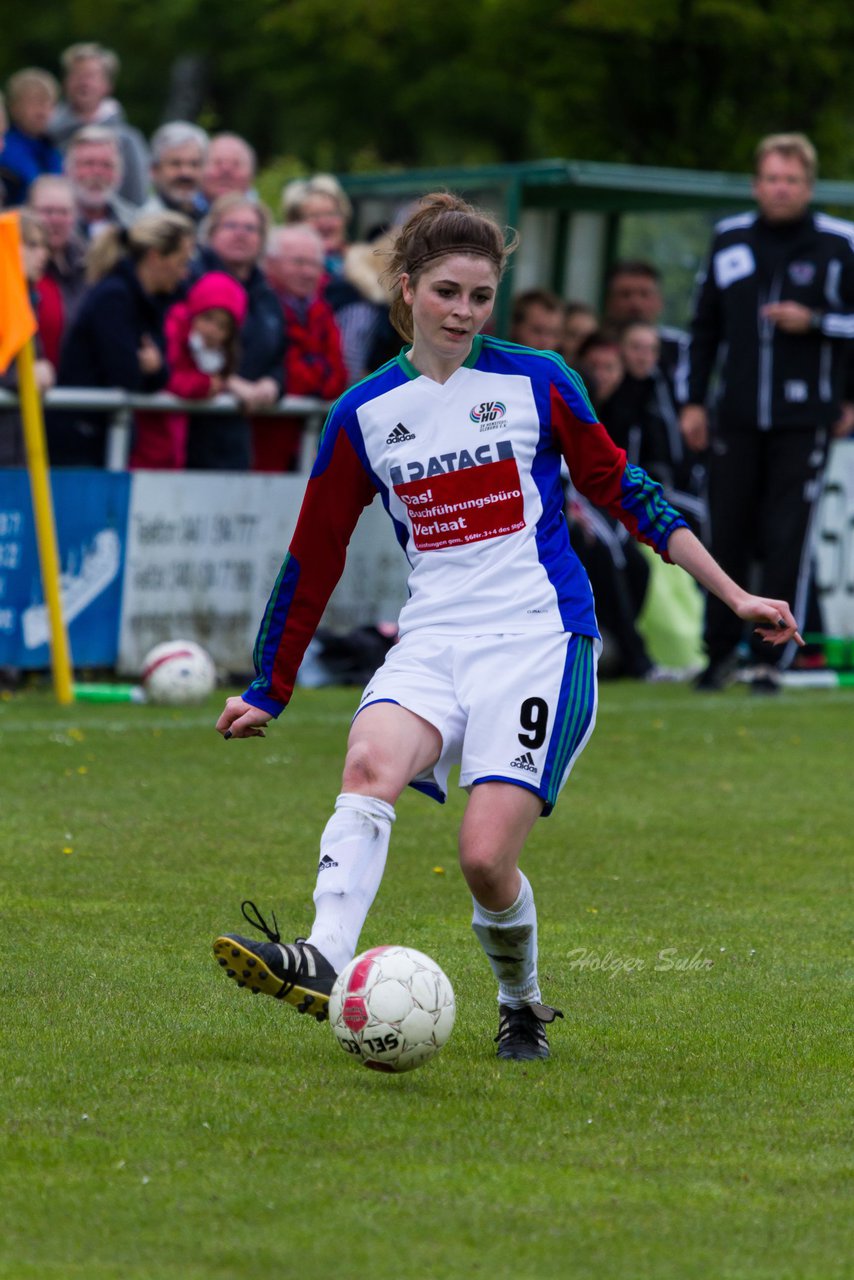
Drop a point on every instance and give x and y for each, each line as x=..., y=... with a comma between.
x=763, y=486
x=218, y=443
x=619, y=578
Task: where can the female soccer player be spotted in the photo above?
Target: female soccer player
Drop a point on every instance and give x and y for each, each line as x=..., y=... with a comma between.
x=462, y=436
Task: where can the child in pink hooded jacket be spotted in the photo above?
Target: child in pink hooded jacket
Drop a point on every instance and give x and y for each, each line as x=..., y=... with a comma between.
x=201, y=353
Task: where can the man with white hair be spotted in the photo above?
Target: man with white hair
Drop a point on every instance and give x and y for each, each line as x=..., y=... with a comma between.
x=51, y=198
x=93, y=165
x=230, y=166
x=314, y=363
x=178, y=152
x=90, y=74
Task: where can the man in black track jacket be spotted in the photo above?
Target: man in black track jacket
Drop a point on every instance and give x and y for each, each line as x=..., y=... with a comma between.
x=774, y=318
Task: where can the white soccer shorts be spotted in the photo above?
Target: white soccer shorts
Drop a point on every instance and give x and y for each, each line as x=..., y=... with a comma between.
x=509, y=708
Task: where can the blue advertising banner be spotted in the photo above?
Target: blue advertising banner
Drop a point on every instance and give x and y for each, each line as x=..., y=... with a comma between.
x=153, y=556
x=91, y=509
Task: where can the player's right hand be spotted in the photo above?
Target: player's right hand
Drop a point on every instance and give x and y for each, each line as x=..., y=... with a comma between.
x=241, y=720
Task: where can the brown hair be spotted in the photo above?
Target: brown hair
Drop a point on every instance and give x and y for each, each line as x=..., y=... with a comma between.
x=632, y=267
x=441, y=224
x=523, y=302
x=231, y=348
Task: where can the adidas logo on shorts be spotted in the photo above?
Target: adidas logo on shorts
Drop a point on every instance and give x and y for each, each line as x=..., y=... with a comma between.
x=524, y=761
x=400, y=435
x=326, y=863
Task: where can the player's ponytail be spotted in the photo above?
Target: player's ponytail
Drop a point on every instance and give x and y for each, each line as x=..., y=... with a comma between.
x=441, y=224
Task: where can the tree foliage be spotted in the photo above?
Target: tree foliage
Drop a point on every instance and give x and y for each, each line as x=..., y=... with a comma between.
x=353, y=83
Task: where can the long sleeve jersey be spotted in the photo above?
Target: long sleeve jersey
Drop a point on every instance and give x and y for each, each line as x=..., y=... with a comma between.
x=469, y=473
x=770, y=378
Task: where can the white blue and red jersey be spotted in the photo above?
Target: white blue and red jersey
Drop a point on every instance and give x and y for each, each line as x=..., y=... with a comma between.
x=470, y=473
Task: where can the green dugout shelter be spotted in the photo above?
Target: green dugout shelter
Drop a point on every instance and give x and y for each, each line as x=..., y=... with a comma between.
x=575, y=217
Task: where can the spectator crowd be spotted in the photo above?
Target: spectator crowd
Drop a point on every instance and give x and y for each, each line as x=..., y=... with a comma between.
x=153, y=265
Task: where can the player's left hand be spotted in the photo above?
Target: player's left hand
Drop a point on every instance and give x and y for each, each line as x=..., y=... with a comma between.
x=791, y=317
x=775, y=623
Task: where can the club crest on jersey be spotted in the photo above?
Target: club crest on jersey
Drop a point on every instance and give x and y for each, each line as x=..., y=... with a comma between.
x=802, y=273
x=488, y=415
x=452, y=461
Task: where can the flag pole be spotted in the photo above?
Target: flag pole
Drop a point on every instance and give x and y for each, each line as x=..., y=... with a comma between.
x=37, y=465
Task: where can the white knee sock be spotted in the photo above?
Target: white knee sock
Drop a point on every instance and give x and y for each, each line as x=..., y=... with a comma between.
x=509, y=939
x=353, y=851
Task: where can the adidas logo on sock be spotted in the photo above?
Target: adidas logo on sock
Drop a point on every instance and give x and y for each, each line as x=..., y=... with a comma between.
x=326, y=863
x=400, y=435
x=524, y=761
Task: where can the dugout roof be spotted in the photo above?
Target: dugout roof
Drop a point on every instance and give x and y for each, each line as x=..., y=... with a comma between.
x=569, y=212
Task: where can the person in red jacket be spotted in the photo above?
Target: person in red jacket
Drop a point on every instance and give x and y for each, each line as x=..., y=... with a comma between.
x=44, y=295
x=201, y=354
x=314, y=363
x=48, y=311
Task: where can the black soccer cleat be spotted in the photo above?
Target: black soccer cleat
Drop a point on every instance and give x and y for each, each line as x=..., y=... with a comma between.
x=522, y=1032
x=765, y=680
x=718, y=675
x=295, y=972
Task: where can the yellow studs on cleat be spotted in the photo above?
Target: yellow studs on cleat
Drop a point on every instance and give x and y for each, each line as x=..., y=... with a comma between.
x=251, y=972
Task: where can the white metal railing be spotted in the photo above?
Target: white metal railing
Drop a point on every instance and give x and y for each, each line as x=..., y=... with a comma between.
x=121, y=404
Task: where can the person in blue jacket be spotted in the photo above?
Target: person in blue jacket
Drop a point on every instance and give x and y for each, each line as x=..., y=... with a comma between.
x=27, y=151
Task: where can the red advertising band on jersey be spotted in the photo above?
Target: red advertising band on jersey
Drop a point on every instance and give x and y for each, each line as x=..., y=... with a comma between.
x=460, y=507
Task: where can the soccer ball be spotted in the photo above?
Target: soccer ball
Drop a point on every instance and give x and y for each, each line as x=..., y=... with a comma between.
x=177, y=673
x=392, y=1008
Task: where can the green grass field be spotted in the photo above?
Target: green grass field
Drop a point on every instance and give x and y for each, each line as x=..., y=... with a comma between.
x=694, y=1119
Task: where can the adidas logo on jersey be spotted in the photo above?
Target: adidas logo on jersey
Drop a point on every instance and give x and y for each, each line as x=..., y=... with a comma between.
x=524, y=761
x=400, y=435
x=326, y=863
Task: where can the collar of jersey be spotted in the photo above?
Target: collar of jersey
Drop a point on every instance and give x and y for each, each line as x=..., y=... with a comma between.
x=411, y=372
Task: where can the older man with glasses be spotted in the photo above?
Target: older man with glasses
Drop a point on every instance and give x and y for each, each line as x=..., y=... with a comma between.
x=51, y=197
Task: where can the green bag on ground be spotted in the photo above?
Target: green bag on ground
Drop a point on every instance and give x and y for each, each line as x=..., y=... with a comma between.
x=671, y=617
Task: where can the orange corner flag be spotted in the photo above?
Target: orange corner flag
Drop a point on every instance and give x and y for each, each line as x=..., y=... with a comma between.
x=17, y=321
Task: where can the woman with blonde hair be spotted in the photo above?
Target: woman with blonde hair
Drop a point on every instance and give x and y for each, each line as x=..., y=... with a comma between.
x=117, y=338
x=322, y=201
x=354, y=285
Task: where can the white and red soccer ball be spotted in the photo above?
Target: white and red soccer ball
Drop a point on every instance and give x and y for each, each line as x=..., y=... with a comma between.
x=392, y=1008
x=177, y=673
